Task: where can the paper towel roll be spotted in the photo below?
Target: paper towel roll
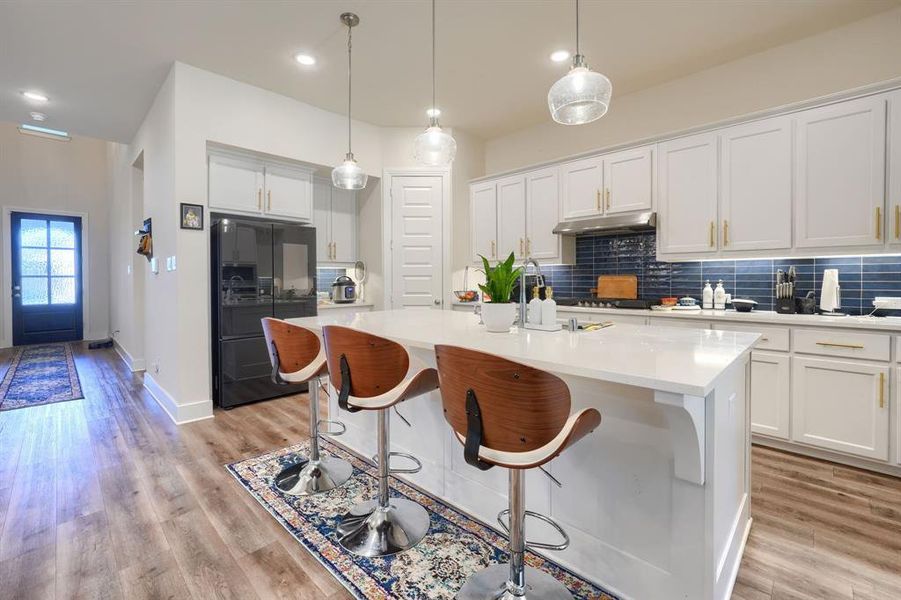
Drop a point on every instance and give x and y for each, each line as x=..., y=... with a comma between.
x=830, y=300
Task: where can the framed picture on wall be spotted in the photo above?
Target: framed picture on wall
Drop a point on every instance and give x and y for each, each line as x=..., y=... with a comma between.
x=191, y=216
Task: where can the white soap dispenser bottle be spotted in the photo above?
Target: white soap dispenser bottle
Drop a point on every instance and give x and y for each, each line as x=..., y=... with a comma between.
x=548, y=308
x=719, y=296
x=534, y=311
x=707, y=296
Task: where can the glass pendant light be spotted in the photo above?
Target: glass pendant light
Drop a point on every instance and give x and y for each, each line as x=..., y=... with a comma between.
x=582, y=95
x=434, y=147
x=348, y=175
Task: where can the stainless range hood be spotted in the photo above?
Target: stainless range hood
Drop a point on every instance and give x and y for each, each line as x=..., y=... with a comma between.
x=612, y=225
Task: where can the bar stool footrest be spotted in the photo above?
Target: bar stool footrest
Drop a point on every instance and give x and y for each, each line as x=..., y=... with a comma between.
x=505, y=514
x=409, y=471
x=329, y=432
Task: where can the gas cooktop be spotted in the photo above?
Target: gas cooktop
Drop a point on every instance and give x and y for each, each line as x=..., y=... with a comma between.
x=589, y=302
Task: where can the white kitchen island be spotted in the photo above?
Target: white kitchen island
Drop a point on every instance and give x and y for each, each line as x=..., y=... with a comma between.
x=656, y=500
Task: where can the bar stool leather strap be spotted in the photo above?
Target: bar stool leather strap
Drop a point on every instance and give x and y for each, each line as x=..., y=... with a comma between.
x=473, y=442
x=344, y=392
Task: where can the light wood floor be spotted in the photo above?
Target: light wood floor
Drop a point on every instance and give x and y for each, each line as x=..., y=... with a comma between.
x=106, y=498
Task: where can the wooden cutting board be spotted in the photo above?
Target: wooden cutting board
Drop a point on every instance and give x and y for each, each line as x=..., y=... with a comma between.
x=623, y=287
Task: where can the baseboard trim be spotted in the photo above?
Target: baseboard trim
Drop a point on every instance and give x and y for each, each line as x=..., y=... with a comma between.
x=136, y=365
x=179, y=413
x=835, y=457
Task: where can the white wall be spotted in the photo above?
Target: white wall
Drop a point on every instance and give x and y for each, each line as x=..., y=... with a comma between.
x=65, y=177
x=860, y=53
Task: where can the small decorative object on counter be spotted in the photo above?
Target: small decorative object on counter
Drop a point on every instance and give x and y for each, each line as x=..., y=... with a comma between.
x=548, y=307
x=743, y=305
x=534, y=313
x=785, y=291
x=719, y=296
x=498, y=313
x=707, y=296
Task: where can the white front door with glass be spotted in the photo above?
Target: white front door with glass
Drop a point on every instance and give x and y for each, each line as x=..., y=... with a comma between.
x=46, y=278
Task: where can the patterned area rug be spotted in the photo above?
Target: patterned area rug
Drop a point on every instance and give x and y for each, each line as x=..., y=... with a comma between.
x=455, y=547
x=38, y=375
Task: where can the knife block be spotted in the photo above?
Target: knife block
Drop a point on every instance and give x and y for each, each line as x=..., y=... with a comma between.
x=785, y=306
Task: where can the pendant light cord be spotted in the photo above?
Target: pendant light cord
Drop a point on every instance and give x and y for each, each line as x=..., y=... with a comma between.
x=433, y=57
x=578, y=50
x=349, y=84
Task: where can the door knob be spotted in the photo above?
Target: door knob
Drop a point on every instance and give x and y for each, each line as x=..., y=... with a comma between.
x=437, y=302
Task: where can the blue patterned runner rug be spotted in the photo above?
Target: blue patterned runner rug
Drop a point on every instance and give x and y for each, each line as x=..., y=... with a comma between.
x=456, y=546
x=41, y=374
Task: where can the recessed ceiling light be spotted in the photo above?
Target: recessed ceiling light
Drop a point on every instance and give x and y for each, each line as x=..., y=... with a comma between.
x=35, y=96
x=304, y=59
x=38, y=116
x=559, y=55
x=433, y=112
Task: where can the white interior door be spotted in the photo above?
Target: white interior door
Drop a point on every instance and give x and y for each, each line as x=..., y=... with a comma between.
x=416, y=245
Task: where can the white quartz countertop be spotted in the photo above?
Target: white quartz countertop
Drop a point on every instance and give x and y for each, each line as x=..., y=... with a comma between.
x=327, y=304
x=671, y=359
x=758, y=316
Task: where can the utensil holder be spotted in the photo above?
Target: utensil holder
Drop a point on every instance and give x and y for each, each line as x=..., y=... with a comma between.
x=785, y=306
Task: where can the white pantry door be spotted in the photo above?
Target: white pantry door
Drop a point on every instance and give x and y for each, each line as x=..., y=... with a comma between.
x=416, y=244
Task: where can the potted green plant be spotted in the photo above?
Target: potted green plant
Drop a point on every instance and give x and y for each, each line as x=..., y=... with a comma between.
x=498, y=312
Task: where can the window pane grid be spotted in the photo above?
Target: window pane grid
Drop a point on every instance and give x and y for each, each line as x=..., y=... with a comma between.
x=47, y=261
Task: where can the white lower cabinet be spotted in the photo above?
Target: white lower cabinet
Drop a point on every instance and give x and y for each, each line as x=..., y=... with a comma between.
x=771, y=394
x=841, y=405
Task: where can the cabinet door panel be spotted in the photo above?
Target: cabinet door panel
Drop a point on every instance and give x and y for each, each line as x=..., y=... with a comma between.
x=770, y=394
x=511, y=221
x=344, y=226
x=841, y=405
x=483, y=220
x=756, y=179
x=840, y=174
x=893, y=221
x=235, y=185
x=687, y=194
x=322, y=215
x=289, y=193
x=581, y=183
x=542, y=190
x=628, y=180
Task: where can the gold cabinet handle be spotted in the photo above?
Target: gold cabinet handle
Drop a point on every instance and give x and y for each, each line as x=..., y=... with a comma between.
x=882, y=390
x=878, y=222
x=725, y=233
x=268, y=199
x=522, y=249
x=607, y=195
x=898, y=221
x=260, y=199
x=763, y=339
x=493, y=252
x=598, y=202
x=712, y=234
x=528, y=246
x=838, y=345
x=335, y=250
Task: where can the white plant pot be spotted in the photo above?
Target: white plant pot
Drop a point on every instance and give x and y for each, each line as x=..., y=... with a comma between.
x=498, y=317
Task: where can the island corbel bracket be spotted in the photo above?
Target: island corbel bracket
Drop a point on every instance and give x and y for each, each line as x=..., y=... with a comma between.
x=686, y=417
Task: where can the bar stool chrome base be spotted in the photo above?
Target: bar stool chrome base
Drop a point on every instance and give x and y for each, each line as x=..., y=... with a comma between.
x=308, y=477
x=491, y=584
x=371, y=530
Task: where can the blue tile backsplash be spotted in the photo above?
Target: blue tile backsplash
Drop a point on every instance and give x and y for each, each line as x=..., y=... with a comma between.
x=861, y=278
x=325, y=277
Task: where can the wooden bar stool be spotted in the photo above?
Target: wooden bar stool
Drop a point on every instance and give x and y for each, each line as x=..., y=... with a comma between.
x=372, y=373
x=297, y=357
x=510, y=415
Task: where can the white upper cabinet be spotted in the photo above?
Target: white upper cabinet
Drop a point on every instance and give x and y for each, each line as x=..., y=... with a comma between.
x=511, y=217
x=235, y=184
x=628, y=180
x=289, y=193
x=840, y=174
x=483, y=220
x=335, y=219
x=543, y=213
x=581, y=185
x=687, y=195
x=344, y=226
x=756, y=186
x=893, y=204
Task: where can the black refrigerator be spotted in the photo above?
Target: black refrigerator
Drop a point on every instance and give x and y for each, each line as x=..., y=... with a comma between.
x=259, y=269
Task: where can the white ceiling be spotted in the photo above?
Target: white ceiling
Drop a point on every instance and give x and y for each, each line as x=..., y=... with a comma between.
x=101, y=63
